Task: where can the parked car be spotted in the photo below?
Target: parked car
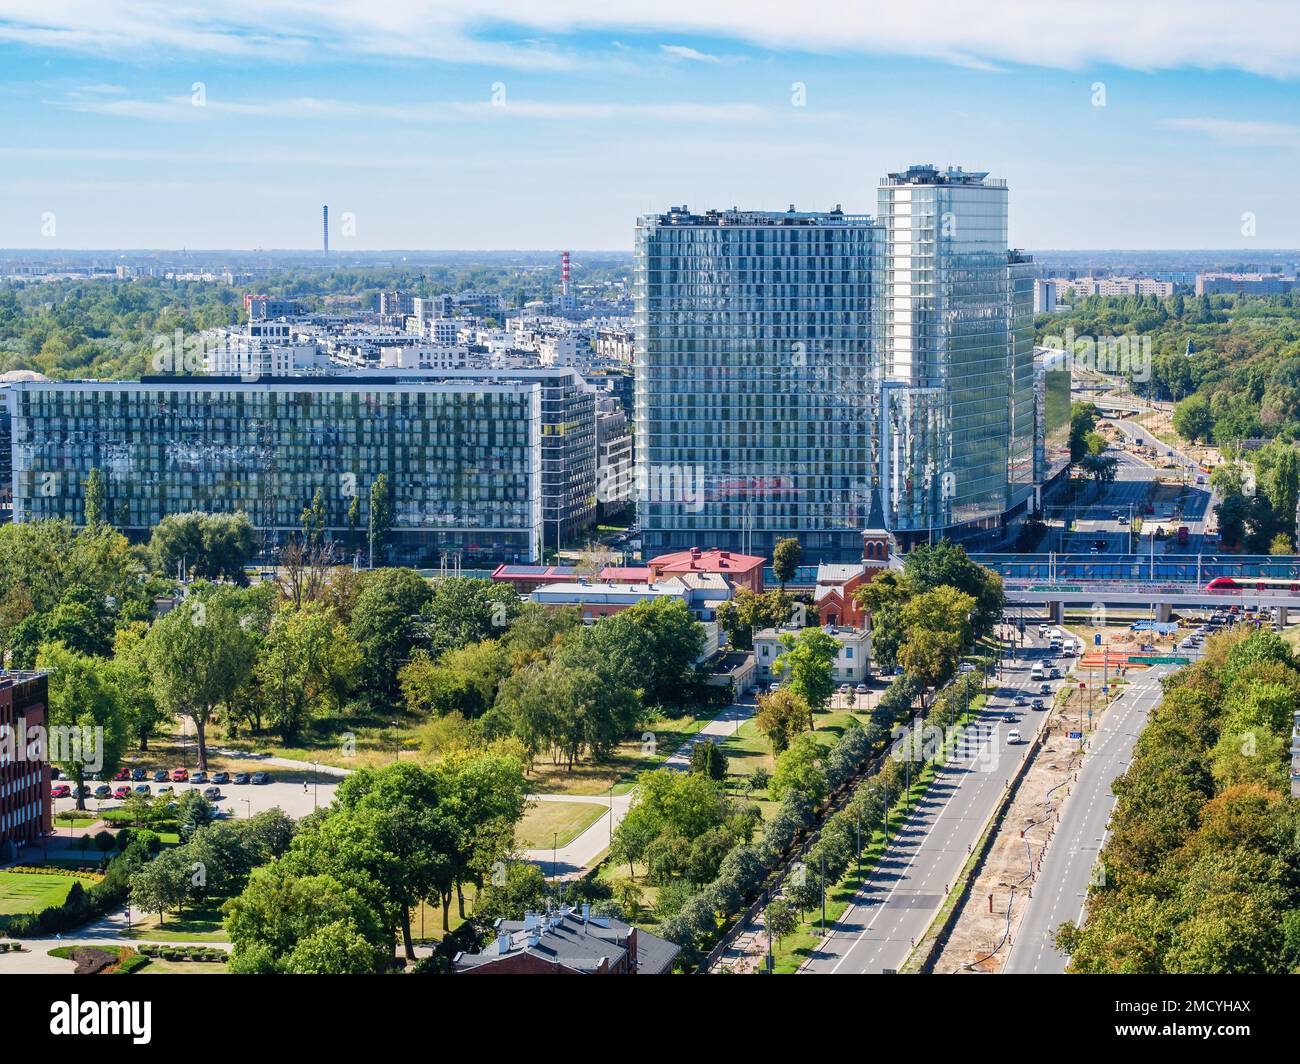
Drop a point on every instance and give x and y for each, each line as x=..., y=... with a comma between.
x=260, y=777
x=221, y=777
x=166, y=790
x=142, y=788
x=122, y=774
x=103, y=791
x=199, y=777
x=160, y=775
x=122, y=793
x=861, y=689
x=212, y=794
x=180, y=775
x=138, y=775
x=240, y=777
x=61, y=791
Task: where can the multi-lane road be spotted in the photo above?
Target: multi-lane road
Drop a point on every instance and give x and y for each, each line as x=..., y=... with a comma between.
x=1061, y=887
x=900, y=899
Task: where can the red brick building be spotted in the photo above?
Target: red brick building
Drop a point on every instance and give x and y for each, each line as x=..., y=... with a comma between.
x=25, y=804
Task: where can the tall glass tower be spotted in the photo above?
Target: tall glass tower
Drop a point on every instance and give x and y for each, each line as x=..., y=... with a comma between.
x=757, y=385
x=947, y=343
x=799, y=373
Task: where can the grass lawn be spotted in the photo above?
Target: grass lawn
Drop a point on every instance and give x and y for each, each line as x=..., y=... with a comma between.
x=555, y=823
x=75, y=820
x=621, y=768
x=202, y=925
x=25, y=892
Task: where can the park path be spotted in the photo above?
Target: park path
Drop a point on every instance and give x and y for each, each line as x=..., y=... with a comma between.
x=571, y=861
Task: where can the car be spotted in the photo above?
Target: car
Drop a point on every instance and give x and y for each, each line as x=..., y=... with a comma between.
x=122, y=793
x=199, y=777
x=1044, y=688
x=55, y=773
x=103, y=791
x=1019, y=700
x=861, y=689
x=221, y=777
x=239, y=777
x=1123, y=519
x=61, y=791
x=1037, y=703
x=1013, y=736
x=166, y=790
x=142, y=789
x=138, y=775
x=160, y=776
x=259, y=778
x=211, y=793
x=180, y=775
x=772, y=687
x=122, y=775
x=1011, y=718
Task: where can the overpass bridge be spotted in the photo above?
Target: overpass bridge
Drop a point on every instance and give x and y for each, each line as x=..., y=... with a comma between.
x=1160, y=582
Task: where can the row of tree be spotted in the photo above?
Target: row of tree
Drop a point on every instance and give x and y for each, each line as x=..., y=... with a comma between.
x=1201, y=869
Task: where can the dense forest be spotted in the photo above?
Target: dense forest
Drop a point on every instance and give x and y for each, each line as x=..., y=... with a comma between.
x=1231, y=362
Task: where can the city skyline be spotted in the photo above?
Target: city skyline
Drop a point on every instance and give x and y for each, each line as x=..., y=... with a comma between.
x=498, y=127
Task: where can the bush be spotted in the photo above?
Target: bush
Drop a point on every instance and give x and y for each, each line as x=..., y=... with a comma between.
x=105, y=841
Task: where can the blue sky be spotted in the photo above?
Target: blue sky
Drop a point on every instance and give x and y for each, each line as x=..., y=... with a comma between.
x=489, y=124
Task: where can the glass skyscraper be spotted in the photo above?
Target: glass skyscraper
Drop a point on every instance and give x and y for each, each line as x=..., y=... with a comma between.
x=756, y=383
x=815, y=373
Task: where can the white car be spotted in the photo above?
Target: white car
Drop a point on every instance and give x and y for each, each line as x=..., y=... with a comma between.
x=1013, y=737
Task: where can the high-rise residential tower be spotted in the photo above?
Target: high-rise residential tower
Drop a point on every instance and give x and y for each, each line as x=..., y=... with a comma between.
x=756, y=385
x=817, y=374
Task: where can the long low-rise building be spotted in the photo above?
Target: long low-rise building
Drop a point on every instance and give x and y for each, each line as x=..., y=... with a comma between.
x=852, y=662
x=462, y=458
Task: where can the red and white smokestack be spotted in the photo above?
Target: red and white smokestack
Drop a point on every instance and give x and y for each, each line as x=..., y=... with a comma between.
x=564, y=272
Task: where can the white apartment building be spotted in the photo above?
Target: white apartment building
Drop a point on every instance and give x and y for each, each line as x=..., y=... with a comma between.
x=852, y=664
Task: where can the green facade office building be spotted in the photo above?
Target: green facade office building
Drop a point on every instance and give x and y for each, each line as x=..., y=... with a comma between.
x=462, y=459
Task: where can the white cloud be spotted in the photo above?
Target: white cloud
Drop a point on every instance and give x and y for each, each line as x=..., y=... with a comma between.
x=1242, y=131
x=1260, y=36
x=418, y=112
x=681, y=51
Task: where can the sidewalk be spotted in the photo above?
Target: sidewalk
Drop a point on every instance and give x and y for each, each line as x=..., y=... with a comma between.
x=578, y=856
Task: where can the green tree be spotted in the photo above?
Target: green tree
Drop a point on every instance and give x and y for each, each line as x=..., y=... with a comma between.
x=785, y=560
x=96, y=511
x=384, y=627
x=199, y=654
x=709, y=758
x=1193, y=419
x=87, y=729
x=381, y=515
x=809, y=661
x=209, y=546
x=799, y=768
x=930, y=656
x=782, y=715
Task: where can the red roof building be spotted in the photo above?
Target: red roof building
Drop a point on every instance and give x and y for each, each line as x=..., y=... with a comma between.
x=739, y=570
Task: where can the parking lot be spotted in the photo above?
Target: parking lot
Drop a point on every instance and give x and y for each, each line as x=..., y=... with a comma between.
x=237, y=800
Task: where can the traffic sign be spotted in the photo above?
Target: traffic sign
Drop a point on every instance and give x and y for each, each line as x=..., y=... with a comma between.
x=1159, y=659
x=1075, y=735
x=1096, y=639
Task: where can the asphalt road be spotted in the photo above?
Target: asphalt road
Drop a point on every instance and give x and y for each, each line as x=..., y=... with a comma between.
x=899, y=900
x=1061, y=888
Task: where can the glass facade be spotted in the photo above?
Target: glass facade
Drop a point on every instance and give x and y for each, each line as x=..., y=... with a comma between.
x=463, y=460
x=947, y=339
x=757, y=388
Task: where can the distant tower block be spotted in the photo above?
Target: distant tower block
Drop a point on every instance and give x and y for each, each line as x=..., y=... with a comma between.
x=325, y=227
x=564, y=273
